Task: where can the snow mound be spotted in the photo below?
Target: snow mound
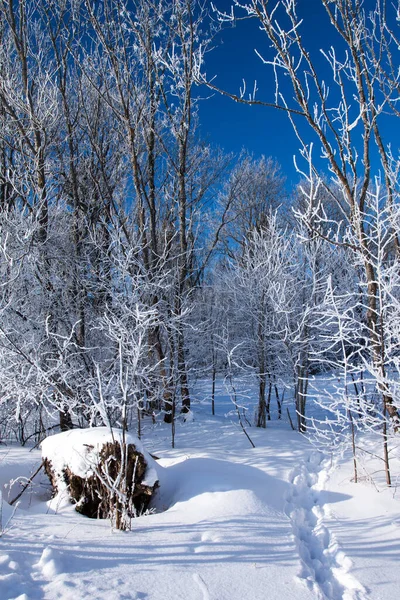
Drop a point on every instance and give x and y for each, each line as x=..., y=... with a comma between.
x=79, y=450
x=205, y=488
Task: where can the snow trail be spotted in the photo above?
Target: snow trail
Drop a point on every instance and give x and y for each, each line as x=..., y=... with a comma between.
x=325, y=567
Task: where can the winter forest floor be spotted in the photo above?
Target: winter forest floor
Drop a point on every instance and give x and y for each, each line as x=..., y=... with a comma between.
x=281, y=521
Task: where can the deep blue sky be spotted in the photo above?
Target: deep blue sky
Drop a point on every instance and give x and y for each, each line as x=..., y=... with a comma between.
x=233, y=126
x=261, y=130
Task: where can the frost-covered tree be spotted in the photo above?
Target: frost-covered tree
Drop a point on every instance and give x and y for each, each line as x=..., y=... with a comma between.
x=343, y=106
x=100, y=162
x=260, y=282
x=346, y=333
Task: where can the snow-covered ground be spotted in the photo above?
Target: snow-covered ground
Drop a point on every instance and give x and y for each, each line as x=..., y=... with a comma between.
x=281, y=521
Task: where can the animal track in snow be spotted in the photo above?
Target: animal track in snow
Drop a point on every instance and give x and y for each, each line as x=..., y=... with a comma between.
x=325, y=567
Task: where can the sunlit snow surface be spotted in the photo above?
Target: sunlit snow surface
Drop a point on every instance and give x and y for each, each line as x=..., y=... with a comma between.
x=281, y=521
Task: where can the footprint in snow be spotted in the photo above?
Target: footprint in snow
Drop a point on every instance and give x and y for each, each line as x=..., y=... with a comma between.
x=325, y=567
x=208, y=538
x=50, y=563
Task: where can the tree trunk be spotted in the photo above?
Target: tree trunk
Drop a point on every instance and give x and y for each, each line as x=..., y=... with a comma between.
x=65, y=420
x=262, y=407
x=183, y=380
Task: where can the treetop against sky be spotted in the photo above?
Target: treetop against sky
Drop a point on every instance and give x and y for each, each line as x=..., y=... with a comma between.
x=237, y=58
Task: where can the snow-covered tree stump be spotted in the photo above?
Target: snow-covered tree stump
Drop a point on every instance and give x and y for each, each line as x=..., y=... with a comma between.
x=106, y=474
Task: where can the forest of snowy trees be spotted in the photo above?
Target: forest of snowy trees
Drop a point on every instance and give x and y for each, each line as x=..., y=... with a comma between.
x=136, y=258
